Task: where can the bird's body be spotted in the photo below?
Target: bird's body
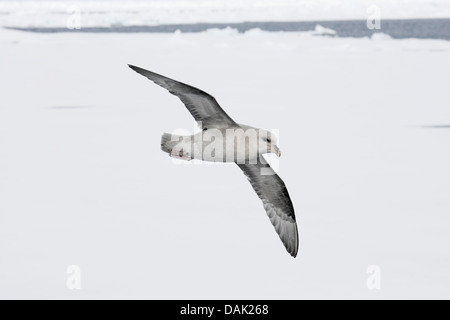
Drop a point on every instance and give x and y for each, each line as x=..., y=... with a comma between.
x=224, y=140
x=240, y=144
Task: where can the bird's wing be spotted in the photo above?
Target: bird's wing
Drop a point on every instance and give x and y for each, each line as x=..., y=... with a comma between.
x=200, y=104
x=277, y=203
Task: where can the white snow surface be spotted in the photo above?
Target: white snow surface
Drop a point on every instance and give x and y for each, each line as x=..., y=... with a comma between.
x=83, y=180
x=47, y=13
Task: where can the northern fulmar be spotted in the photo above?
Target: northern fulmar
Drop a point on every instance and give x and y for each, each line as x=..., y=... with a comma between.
x=223, y=140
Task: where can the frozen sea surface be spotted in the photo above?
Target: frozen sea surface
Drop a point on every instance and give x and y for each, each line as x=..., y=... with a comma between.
x=364, y=131
x=98, y=13
x=397, y=29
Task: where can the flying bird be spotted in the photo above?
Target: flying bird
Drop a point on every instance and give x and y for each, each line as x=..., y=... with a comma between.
x=244, y=149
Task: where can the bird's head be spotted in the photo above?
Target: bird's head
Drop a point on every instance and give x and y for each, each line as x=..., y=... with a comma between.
x=268, y=141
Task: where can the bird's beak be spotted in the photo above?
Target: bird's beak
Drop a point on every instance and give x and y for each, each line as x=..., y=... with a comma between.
x=277, y=151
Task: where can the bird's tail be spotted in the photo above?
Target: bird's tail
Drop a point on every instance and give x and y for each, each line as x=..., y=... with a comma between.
x=169, y=142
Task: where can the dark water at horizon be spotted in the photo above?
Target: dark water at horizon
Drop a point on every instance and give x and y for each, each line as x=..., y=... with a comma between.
x=397, y=29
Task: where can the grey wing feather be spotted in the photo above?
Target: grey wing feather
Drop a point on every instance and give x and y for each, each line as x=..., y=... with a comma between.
x=277, y=203
x=200, y=104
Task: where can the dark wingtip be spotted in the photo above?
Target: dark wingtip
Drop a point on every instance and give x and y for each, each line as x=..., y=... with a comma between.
x=294, y=253
x=297, y=243
x=141, y=71
x=133, y=67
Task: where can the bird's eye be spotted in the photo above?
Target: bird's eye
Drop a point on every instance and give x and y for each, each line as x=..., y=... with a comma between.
x=268, y=140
